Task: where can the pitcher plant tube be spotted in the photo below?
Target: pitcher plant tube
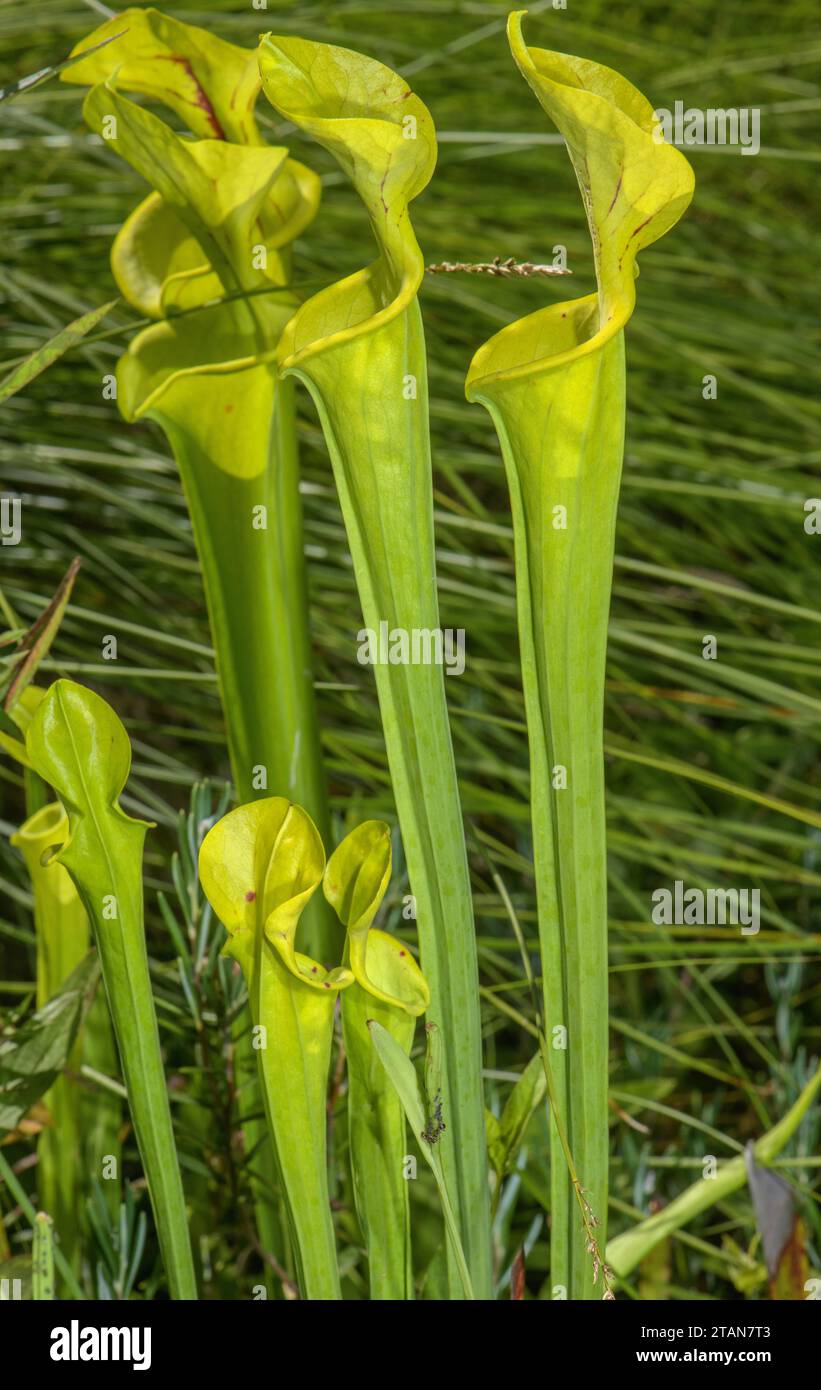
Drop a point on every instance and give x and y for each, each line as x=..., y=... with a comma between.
x=390, y=989
x=220, y=222
x=63, y=940
x=259, y=867
x=554, y=384
x=208, y=255
x=359, y=348
x=76, y=743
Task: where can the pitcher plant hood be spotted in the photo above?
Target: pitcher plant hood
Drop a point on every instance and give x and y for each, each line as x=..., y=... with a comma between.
x=355, y=882
x=218, y=223
x=382, y=136
x=224, y=212
x=260, y=866
x=634, y=187
x=210, y=84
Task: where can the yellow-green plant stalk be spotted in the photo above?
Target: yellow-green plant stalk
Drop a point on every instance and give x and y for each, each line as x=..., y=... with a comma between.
x=259, y=867
x=554, y=384
x=359, y=349
x=220, y=222
x=76, y=743
x=390, y=989
x=42, y=1258
x=63, y=939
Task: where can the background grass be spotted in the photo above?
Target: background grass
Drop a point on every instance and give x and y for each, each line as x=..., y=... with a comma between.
x=713, y=1033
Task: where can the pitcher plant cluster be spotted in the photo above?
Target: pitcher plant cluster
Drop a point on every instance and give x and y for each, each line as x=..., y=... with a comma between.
x=206, y=258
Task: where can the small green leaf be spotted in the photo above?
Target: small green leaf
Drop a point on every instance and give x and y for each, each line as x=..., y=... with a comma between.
x=358, y=873
x=33, y=1056
x=63, y=939
x=783, y=1233
x=404, y=1079
x=378, y=1143
x=390, y=987
x=495, y=1147
x=527, y=1095
x=60, y=918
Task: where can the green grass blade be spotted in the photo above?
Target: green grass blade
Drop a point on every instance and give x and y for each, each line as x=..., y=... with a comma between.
x=34, y=646
x=376, y=1126
x=56, y=347
x=33, y=1055
x=34, y=79
x=403, y=1078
